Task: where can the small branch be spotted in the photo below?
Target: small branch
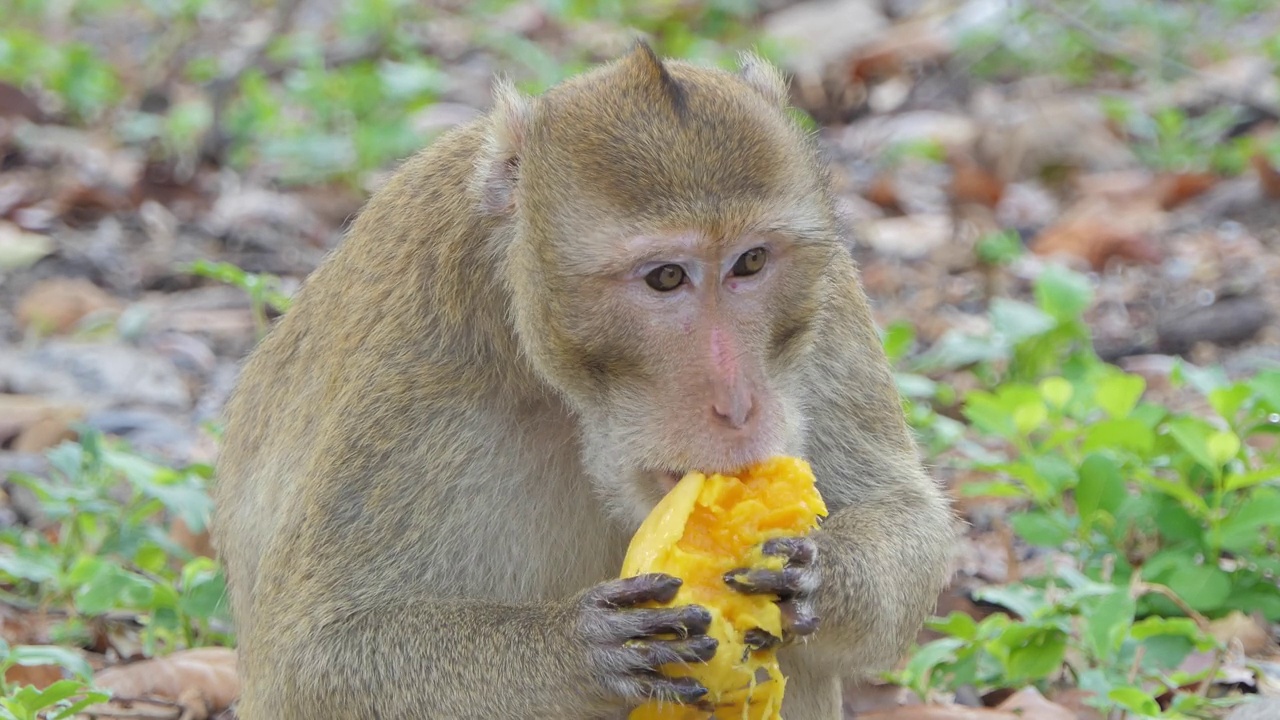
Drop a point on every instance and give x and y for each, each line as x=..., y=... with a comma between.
x=1109, y=45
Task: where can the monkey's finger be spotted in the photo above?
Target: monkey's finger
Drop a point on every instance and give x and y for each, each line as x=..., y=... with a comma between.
x=799, y=551
x=758, y=639
x=798, y=619
x=684, y=621
x=626, y=592
x=784, y=583
x=653, y=653
x=683, y=690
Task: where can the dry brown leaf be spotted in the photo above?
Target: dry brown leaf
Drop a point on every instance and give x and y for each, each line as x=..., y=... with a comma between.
x=197, y=544
x=972, y=183
x=202, y=680
x=1029, y=703
x=940, y=712
x=58, y=304
x=1268, y=175
x=1174, y=189
x=1253, y=636
x=1097, y=239
x=33, y=423
x=897, y=48
x=41, y=676
x=1076, y=700
x=883, y=191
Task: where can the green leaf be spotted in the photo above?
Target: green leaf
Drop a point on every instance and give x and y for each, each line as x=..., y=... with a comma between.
x=957, y=624
x=1124, y=434
x=1203, y=587
x=1056, y=392
x=1033, y=652
x=1239, y=531
x=1118, y=393
x=1101, y=487
x=898, y=339
x=29, y=566
x=1153, y=626
x=1223, y=447
x=1267, y=386
x=1062, y=293
x=1017, y=321
x=1021, y=600
x=30, y=655
x=989, y=415
x=1240, y=481
x=1135, y=700
x=1192, y=436
x=1227, y=401
x=931, y=655
x=1109, y=622
x=992, y=488
x=1040, y=529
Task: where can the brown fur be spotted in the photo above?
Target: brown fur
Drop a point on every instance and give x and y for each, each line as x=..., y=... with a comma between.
x=434, y=453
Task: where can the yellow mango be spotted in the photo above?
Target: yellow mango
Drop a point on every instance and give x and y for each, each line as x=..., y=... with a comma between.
x=706, y=526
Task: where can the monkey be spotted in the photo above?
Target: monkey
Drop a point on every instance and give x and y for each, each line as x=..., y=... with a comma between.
x=433, y=463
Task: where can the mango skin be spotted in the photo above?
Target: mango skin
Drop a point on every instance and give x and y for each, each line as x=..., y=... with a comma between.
x=705, y=527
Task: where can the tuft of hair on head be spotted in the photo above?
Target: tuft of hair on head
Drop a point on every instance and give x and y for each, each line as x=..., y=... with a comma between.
x=649, y=68
x=498, y=164
x=763, y=77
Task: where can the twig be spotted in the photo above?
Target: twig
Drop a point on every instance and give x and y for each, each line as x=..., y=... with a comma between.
x=1111, y=46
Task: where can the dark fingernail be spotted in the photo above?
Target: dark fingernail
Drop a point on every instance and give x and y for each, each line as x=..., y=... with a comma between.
x=737, y=578
x=688, y=689
x=695, y=618
x=704, y=648
x=806, y=625
x=758, y=639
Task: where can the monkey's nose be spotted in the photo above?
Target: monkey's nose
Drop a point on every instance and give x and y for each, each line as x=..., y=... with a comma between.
x=734, y=410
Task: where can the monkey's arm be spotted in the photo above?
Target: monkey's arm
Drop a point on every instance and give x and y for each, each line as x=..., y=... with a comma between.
x=884, y=551
x=447, y=659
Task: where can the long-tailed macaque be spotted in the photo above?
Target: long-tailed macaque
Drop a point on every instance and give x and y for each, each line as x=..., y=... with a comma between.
x=434, y=462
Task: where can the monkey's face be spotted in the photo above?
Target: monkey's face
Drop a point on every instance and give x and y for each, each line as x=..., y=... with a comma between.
x=668, y=263
x=681, y=351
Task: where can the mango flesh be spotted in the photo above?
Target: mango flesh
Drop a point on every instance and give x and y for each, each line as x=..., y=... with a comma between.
x=705, y=527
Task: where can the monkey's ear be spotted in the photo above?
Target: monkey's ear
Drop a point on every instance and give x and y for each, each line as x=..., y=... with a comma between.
x=498, y=167
x=763, y=77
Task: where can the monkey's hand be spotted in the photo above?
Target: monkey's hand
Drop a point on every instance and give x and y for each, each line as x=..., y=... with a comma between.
x=626, y=644
x=795, y=586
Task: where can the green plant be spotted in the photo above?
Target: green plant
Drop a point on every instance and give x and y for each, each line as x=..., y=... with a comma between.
x=105, y=546
x=1170, y=140
x=263, y=288
x=1069, y=630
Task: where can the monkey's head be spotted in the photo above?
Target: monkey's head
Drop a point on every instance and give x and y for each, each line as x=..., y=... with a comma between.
x=668, y=230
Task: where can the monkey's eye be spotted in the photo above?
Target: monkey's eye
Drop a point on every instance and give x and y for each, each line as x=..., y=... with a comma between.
x=665, y=278
x=750, y=262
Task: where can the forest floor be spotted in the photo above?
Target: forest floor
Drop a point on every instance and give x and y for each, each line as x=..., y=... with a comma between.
x=964, y=168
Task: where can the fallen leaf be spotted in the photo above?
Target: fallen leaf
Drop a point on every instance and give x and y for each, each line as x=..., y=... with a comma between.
x=1029, y=703
x=33, y=424
x=21, y=249
x=939, y=712
x=972, y=183
x=1174, y=189
x=910, y=236
x=58, y=304
x=41, y=676
x=1268, y=175
x=197, y=544
x=1095, y=242
x=884, y=192
x=1076, y=700
x=1254, y=637
x=202, y=680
